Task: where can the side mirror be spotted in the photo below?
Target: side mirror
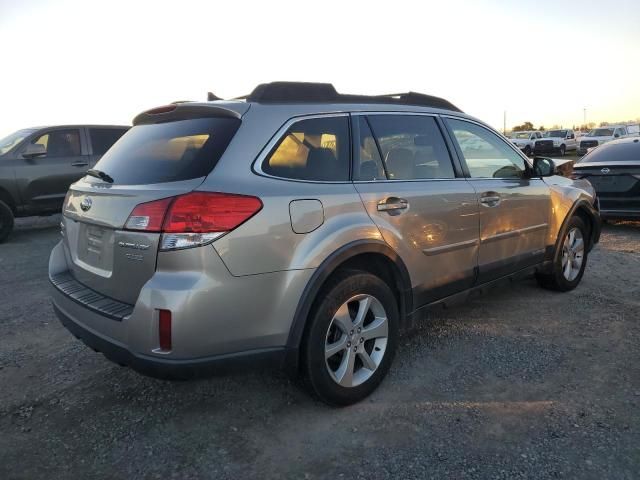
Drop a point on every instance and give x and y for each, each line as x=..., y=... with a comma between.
x=34, y=150
x=543, y=167
x=616, y=135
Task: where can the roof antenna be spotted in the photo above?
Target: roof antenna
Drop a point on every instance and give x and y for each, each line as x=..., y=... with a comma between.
x=211, y=97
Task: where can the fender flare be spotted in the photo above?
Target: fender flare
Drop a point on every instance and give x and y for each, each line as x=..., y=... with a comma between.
x=322, y=273
x=595, y=221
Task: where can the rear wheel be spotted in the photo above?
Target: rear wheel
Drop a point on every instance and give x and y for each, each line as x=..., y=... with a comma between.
x=571, y=261
x=6, y=221
x=351, y=341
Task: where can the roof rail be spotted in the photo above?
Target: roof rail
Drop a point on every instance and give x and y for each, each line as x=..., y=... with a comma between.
x=307, y=92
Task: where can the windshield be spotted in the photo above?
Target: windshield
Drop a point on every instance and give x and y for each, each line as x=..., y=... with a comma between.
x=524, y=135
x=555, y=133
x=7, y=143
x=601, y=132
x=168, y=152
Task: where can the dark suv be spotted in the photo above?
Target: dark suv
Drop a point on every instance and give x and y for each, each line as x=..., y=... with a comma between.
x=37, y=165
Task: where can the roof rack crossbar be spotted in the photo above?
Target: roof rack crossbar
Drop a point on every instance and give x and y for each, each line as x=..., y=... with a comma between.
x=307, y=92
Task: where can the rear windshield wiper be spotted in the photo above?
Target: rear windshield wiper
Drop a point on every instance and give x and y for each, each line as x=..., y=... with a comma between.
x=100, y=174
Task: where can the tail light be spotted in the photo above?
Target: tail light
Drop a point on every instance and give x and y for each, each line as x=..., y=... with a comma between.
x=194, y=219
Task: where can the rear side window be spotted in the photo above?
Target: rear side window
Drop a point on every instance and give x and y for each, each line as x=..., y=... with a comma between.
x=168, y=152
x=412, y=147
x=103, y=138
x=60, y=143
x=313, y=149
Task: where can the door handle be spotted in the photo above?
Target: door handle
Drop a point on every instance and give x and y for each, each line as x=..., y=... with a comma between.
x=490, y=199
x=79, y=164
x=393, y=205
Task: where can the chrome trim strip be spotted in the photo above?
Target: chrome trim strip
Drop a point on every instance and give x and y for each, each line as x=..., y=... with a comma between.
x=429, y=252
x=513, y=233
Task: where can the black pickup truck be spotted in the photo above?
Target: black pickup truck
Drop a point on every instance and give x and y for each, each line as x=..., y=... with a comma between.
x=37, y=165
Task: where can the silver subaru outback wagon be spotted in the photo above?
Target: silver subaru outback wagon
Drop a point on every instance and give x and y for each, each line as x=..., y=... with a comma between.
x=302, y=228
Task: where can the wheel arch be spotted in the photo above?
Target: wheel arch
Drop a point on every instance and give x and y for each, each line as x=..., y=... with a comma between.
x=6, y=197
x=369, y=255
x=586, y=211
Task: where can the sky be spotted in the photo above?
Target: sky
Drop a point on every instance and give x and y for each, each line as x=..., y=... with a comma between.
x=103, y=62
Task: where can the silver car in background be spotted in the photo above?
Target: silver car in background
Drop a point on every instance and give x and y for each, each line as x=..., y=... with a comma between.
x=302, y=228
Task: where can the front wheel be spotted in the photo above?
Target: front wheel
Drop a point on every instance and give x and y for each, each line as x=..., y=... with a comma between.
x=352, y=337
x=570, y=262
x=6, y=221
x=563, y=150
x=527, y=151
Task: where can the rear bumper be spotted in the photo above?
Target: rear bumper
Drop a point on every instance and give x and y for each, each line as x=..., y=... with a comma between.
x=219, y=322
x=169, y=368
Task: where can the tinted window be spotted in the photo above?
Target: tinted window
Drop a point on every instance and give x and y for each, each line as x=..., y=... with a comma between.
x=103, y=138
x=369, y=163
x=486, y=154
x=60, y=143
x=168, y=152
x=313, y=149
x=614, y=152
x=412, y=147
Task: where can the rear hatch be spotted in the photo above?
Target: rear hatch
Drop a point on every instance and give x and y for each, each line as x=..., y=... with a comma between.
x=164, y=155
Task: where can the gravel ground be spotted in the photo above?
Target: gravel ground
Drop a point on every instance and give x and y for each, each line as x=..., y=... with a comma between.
x=520, y=383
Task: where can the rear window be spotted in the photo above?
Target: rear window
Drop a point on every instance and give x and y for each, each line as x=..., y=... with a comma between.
x=103, y=138
x=168, y=152
x=314, y=149
x=614, y=152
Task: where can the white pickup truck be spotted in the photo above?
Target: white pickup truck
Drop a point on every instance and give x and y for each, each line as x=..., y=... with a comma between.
x=525, y=140
x=601, y=135
x=556, y=141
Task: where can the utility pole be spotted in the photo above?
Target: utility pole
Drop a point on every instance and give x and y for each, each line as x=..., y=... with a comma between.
x=504, y=124
x=584, y=116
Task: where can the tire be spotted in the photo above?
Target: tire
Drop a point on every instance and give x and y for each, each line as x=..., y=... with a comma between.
x=558, y=279
x=563, y=150
x=6, y=221
x=527, y=151
x=342, y=378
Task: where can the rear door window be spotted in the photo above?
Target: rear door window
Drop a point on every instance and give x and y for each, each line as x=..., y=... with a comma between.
x=412, y=147
x=103, y=138
x=314, y=149
x=168, y=152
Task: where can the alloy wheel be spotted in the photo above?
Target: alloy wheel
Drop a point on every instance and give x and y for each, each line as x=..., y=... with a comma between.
x=356, y=340
x=572, y=254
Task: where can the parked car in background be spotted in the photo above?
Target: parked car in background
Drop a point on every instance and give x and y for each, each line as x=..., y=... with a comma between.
x=600, y=136
x=302, y=228
x=614, y=171
x=633, y=130
x=525, y=140
x=37, y=165
x=556, y=141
